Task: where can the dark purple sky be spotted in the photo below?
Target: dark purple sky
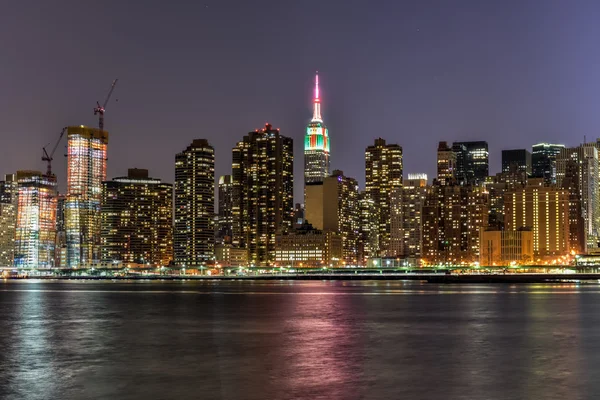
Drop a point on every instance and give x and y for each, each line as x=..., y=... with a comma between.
x=413, y=72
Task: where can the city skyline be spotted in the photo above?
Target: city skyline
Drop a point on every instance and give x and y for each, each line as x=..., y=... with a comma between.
x=424, y=89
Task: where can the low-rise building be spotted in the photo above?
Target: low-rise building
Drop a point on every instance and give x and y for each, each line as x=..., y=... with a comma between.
x=227, y=255
x=308, y=247
x=505, y=247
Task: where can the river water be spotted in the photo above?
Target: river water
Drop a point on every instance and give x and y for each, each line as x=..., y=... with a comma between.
x=298, y=340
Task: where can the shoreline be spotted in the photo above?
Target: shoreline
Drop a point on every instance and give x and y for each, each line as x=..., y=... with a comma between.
x=429, y=278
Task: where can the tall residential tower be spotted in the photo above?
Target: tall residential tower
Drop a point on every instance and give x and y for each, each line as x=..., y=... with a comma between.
x=36, y=220
x=8, y=219
x=137, y=219
x=263, y=188
x=193, y=234
x=383, y=171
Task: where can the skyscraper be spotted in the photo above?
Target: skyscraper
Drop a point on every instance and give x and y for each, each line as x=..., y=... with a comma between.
x=544, y=210
x=86, y=170
x=193, y=234
x=453, y=217
x=519, y=159
x=543, y=161
x=36, y=220
x=383, y=170
x=137, y=220
x=61, y=233
x=316, y=144
x=472, y=162
x=585, y=157
x=570, y=182
x=406, y=217
x=368, y=240
x=8, y=219
x=263, y=184
x=225, y=218
x=446, y=164
x=332, y=206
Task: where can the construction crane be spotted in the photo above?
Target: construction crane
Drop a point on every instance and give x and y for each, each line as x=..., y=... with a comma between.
x=99, y=109
x=49, y=157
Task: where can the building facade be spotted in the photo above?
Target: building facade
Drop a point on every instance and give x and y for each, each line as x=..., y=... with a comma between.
x=453, y=217
x=585, y=158
x=446, y=164
x=518, y=159
x=383, y=173
x=505, y=247
x=472, y=162
x=35, y=232
x=193, y=230
x=333, y=206
x=545, y=211
x=86, y=170
x=368, y=237
x=570, y=182
x=316, y=144
x=228, y=256
x=309, y=247
x=8, y=219
x=137, y=220
x=496, y=187
x=406, y=217
x=543, y=161
x=263, y=192
x=225, y=218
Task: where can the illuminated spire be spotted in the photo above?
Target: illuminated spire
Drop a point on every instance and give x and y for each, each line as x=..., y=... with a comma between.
x=317, y=101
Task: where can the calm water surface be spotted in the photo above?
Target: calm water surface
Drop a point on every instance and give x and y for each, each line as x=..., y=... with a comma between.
x=288, y=340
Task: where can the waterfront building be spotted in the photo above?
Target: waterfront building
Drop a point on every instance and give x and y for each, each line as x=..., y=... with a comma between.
x=368, y=237
x=226, y=255
x=519, y=159
x=472, y=162
x=225, y=217
x=263, y=189
x=446, y=164
x=60, y=251
x=316, y=144
x=500, y=247
x=137, y=220
x=453, y=217
x=239, y=175
x=309, y=247
x=570, y=182
x=193, y=231
x=332, y=205
x=543, y=161
x=35, y=231
x=86, y=170
x=406, y=217
x=545, y=211
x=8, y=219
x=585, y=158
x=383, y=170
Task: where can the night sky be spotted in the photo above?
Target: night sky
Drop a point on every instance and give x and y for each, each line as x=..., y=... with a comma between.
x=413, y=72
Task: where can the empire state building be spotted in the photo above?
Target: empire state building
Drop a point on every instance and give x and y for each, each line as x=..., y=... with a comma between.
x=316, y=144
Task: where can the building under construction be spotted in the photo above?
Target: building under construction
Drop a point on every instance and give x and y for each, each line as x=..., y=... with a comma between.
x=86, y=170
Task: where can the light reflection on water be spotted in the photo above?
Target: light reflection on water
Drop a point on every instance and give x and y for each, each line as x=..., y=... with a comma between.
x=278, y=340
